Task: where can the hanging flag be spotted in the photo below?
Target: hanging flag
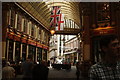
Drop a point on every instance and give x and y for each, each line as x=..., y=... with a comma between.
x=57, y=19
x=61, y=22
x=54, y=15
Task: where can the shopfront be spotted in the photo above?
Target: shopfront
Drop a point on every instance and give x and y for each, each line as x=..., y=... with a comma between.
x=24, y=52
x=96, y=36
x=20, y=46
x=9, y=53
x=39, y=54
x=32, y=51
x=17, y=51
x=45, y=54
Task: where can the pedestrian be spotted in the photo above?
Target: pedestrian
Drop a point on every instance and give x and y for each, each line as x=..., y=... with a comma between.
x=48, y=63
x=8, y=72
x=27, y=67
x=109, y=67
x=78, y=70
x=40, y=71
x=84, y=68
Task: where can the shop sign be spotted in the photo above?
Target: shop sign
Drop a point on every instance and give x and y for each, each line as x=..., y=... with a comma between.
x=10, y=35
x=31, y=42
x=17, y=38
x=39, y=45
x=45, y=47
x=23, y=40
x=102, y=32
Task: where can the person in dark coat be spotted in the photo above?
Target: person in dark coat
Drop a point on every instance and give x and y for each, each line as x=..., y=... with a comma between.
x=78, y=70
x=40, y=71
x=27, y=67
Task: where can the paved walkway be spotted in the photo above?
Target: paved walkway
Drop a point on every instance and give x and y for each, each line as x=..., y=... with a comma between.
x=60, y=74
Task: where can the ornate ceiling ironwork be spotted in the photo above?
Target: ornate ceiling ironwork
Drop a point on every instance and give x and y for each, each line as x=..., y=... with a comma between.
x=41, y=12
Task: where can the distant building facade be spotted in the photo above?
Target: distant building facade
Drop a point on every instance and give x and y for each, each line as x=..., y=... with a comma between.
x=22, y=35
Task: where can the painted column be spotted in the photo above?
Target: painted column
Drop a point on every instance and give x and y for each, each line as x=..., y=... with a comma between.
x=42, y=54
x=86, y=32
x=14, y=51
x=21, y=51
x=27, y=51
x=7, y=49
x=36, y=54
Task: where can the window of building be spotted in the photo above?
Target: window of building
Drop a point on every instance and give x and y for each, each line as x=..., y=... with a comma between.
x=29, y=31
x=103, y=12
x=12, y=19
x=32, y=30
x=35, y=31
x=19, y=22
x=42, y=35
x=25, y=25
x=45, y=38
x=39, y=33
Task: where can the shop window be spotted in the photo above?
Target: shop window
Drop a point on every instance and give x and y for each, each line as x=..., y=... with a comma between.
x=96, y=50
x=32, y=51
x=17, y=52
x=39, y=54
x=45, y=54
x=24, y=46
x=10, y=50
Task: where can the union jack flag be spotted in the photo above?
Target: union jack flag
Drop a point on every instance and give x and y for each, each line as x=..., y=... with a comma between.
x=56, y=16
